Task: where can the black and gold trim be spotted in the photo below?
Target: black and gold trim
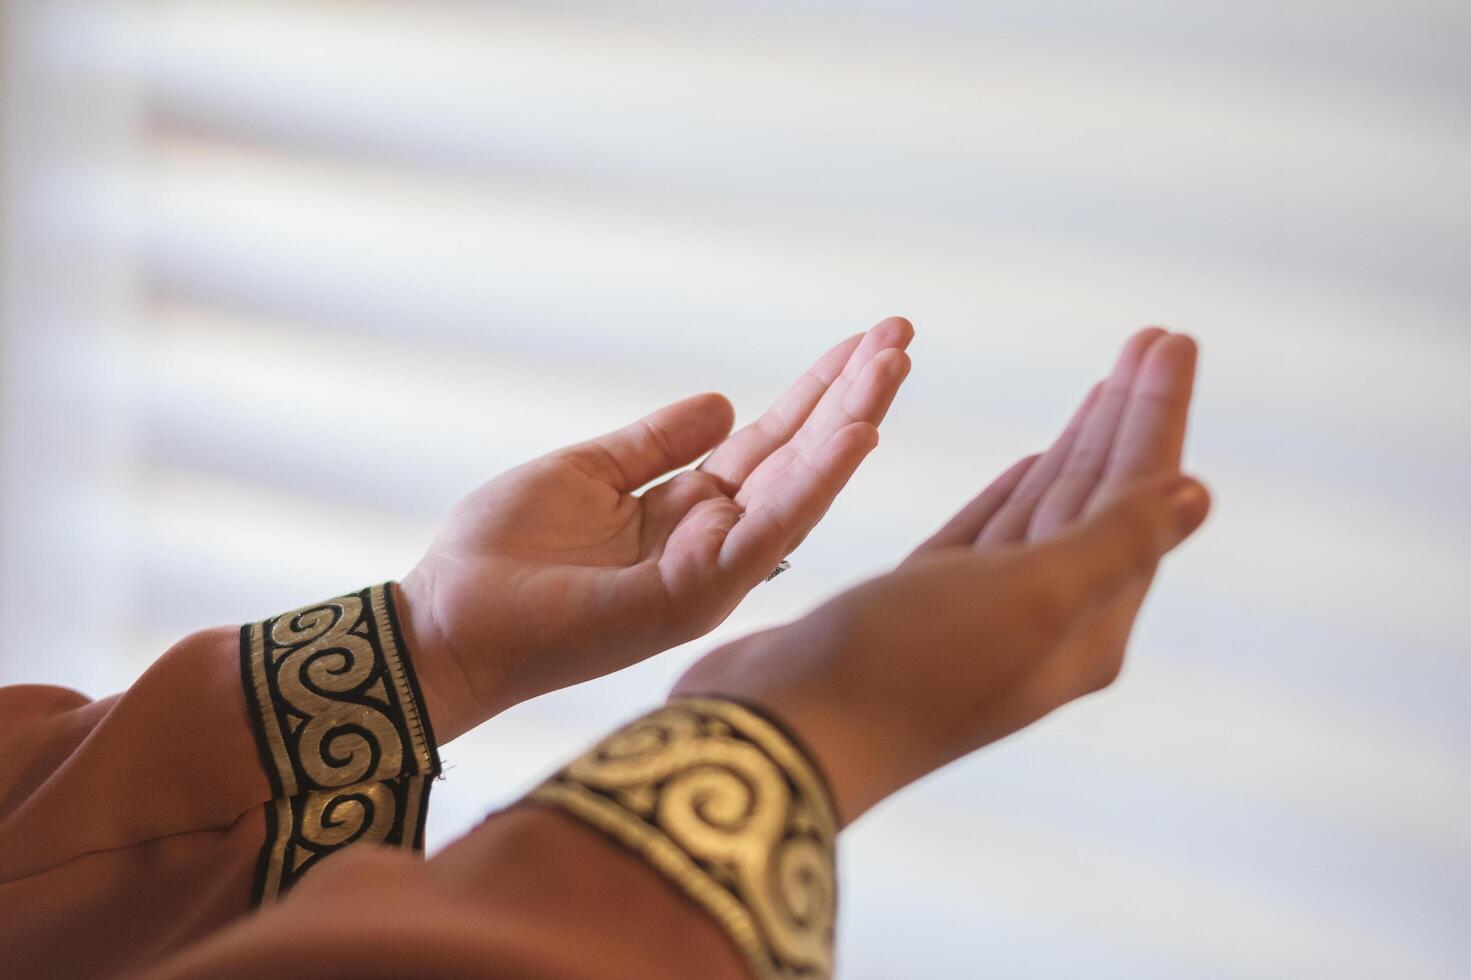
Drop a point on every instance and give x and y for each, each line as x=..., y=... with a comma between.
x=342, y=733
x=724, y=804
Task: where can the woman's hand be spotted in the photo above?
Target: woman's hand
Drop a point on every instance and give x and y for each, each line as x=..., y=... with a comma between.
x=559, y=570
x=1021, y=603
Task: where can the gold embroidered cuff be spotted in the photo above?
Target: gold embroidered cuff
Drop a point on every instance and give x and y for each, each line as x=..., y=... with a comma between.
x=342, y=734
x=723, y=803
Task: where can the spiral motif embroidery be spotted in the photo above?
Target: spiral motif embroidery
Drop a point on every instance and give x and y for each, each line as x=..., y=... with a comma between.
x=346, y=746
x=724, y=804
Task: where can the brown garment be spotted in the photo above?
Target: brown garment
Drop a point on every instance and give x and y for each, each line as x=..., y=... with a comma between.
x=131, y=825
x=131, y=832
x=531, y=893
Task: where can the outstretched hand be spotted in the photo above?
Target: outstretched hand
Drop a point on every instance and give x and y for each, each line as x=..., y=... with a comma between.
x=1020, y=603
x=560, y=570
x=1129, y=429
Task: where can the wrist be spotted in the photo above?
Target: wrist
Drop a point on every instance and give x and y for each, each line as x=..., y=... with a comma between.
x=449, y=698
x=788, y=673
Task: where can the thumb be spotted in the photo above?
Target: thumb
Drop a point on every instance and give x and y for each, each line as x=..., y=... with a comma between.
x=1125, y=541
x=666, y=439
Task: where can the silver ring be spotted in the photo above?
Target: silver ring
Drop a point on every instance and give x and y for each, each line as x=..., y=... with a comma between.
x=781, y=566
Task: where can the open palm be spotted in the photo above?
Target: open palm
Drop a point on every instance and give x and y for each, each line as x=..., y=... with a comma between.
x=560, y=570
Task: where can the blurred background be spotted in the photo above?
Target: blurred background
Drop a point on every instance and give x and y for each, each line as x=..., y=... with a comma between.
x=282, y=280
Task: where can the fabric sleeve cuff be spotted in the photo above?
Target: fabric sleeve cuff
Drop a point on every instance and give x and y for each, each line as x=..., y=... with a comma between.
x=342, y=732
x=723, y=803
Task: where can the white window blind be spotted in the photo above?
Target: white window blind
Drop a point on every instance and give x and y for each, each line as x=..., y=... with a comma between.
x=284, y=279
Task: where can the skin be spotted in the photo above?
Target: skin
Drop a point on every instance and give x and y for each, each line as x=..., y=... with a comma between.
x=1021, y=603
x=561, y=570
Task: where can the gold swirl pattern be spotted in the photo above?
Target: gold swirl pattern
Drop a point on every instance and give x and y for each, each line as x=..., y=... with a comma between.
x=348, y=750
x=723, y=803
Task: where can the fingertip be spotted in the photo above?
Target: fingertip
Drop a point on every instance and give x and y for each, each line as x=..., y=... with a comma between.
x=894, y=362
x=1189, y=503
x=1134, y=352
x=1188, y=347
x=857, y=437
x=1168, y=363
x=1144, y=339
x=1192, y=502
x=1183, y=343
x=690, y=428
x=1176, y=341
x=893, y=331
x=717, y=408
x=874, y=390
x=1167, y=331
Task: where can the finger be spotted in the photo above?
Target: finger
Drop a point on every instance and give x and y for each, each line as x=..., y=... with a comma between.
x=967, y=524
x=769, y=531
x=1085, y=463
x=736, y=459
x=1151, y=437
x=834, y=410
x=666, y=506
x=866, y=400
x=1085, y=588
x=667, y=439
x=1009, y=524
x=1120, y=545
x=872, y=394
x=733, y=460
